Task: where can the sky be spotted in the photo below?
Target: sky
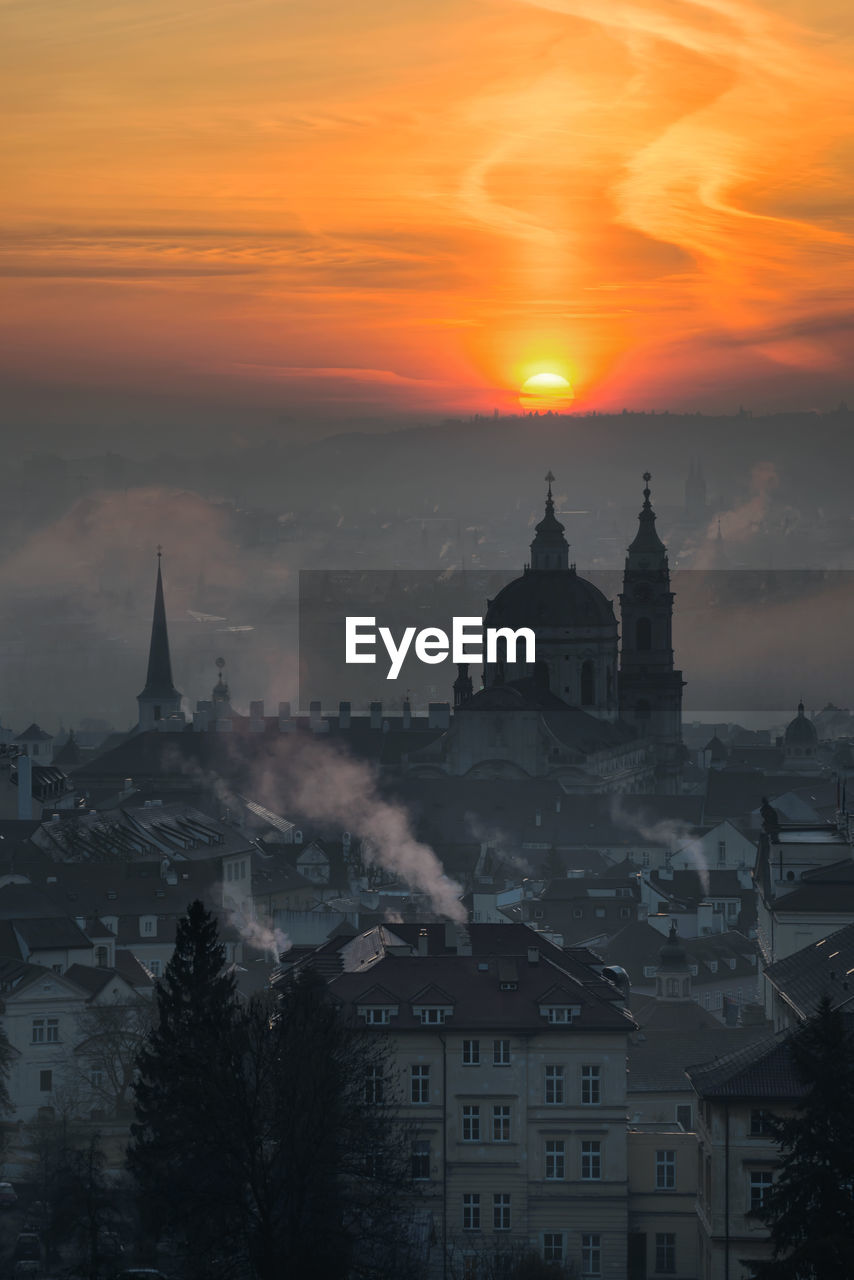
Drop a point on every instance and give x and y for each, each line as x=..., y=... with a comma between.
x=386, y=207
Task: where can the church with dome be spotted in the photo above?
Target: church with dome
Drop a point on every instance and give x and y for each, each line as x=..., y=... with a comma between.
x=600, y=710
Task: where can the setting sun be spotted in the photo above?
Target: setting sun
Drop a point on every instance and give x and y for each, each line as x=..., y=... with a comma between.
x=546, y=390
x=545, y=382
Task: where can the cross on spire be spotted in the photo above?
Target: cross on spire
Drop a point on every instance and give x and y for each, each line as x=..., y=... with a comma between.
x=550, y=480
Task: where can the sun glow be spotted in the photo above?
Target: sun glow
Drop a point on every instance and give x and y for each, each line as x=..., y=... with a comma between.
x=545, y=382
x=546, y=390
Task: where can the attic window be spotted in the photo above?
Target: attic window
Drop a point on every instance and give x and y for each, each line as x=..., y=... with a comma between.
x=508, y=986
x=562, y=1013
x=432, y=1015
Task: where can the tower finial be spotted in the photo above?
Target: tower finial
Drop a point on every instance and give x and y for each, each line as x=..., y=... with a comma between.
x=159, y=551
x=549, y=480
x=647, y=476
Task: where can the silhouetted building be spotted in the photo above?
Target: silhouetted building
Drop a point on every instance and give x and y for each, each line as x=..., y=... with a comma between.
x=159, y=699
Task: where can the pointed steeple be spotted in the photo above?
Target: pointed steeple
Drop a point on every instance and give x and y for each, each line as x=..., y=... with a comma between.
x=647, y=541
x=550, y=549
x=159, y=698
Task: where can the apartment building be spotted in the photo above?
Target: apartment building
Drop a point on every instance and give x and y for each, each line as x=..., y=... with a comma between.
x=512, y=1070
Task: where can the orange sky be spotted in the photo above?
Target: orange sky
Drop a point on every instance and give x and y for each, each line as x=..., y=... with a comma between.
x=385, y=203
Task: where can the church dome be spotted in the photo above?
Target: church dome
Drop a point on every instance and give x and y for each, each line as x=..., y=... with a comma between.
x=801, y=732
x=550, y=598
x=673, y=958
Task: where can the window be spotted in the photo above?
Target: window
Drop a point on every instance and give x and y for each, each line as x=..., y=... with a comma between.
x=560, y=1012
x=722, y=853
x=591, y=1161
x=555, y=1160
x=501, y=1053
x=420, y=1084
x=760, y=1181
x=377, y=1017
x=665, y=1252
x=52, y=1036
x=760, y=1126
x=374, y=1085
x=591, y=1255
x=433, y=1016
x=471, y=1053
x=148, y=926
x=588, y=684
x=45, y=1081
x=154, y=966
x=591, y=1094
x=553, y=1246
x=102, y=957
x=57, y=968
x=501, y=1211
x=421, y=1159
x=685, y=1117
x=471, y=1211
x=501, y=1123
x=554, y=1086
x=471, y=1123
x=38, y=1031
x=96, y=1078
x=665, y=1170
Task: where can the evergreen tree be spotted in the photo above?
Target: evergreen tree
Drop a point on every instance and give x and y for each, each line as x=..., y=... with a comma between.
x=810, y=1207
x=326, y=1197
x=183, y=1097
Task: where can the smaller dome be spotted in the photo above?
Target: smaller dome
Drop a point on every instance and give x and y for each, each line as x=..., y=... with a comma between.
x=801, y=732
x=673, y=958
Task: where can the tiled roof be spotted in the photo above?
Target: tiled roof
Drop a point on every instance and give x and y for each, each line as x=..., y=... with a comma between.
x=672, y=1034
x=54, y=931
x=764, y=1070
x=821, y=969
x=34, y=733
x=473, y=987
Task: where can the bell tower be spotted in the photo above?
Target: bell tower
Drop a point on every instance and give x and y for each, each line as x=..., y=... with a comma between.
x=159, y=699
x=650, y=687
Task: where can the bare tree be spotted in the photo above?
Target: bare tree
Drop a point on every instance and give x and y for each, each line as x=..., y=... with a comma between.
x=111, y=1036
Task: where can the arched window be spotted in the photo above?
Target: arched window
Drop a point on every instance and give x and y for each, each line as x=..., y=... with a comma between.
x=588, y=684
x=643, y=634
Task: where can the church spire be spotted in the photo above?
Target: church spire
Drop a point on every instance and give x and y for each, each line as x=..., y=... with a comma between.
x=159, y=698
x=550, y=549
x=646, y=541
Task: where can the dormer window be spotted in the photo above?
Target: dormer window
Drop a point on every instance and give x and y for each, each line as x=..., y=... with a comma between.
x=376, y=1017
x=560, y=1013
x=508, y=986
x=433, y=1015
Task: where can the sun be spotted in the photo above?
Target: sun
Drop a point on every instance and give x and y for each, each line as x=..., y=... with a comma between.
x=546, y=391
x=546, y=382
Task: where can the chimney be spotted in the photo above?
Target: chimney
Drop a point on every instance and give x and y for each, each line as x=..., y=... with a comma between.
x=407, y=714
x=376, y=715
x=25, y=788
x=533, y=955
x=423, y=942
x=343, y=715
x=256, y=717
x=315, y=717
x=438, y=715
